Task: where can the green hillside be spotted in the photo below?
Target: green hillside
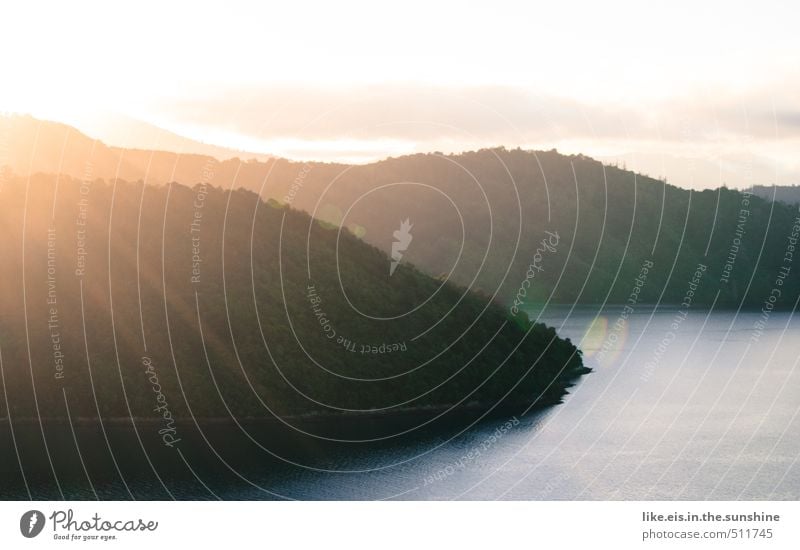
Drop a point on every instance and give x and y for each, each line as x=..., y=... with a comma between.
x=137, y=300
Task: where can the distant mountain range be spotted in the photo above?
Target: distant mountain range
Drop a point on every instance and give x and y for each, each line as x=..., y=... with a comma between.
x=523, y=226
x=790, y=194
x=124, y=132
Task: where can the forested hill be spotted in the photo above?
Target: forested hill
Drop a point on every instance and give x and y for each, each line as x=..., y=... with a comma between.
x=481, y=218
x=130, y=300
x=564, y=228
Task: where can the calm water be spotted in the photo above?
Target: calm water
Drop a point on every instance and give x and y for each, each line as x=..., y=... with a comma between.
x=693, y=409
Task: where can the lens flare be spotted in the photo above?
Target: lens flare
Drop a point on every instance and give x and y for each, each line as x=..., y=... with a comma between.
x=603, y=342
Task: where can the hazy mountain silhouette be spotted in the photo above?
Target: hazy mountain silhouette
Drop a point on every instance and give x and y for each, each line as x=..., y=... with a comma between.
x=790, y=194
x=122, y=131
x=29, y=146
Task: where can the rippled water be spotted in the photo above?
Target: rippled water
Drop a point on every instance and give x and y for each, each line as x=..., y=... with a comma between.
x=700, y=408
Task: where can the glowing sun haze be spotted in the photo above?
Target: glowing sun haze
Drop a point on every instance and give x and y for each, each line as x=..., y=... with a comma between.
x=703, y=94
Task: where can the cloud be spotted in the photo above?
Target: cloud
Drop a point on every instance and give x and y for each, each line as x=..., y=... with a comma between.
x=720, y=130
x=493, y=114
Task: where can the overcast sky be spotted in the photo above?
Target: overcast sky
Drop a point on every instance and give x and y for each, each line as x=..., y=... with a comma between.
x=703, y=94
